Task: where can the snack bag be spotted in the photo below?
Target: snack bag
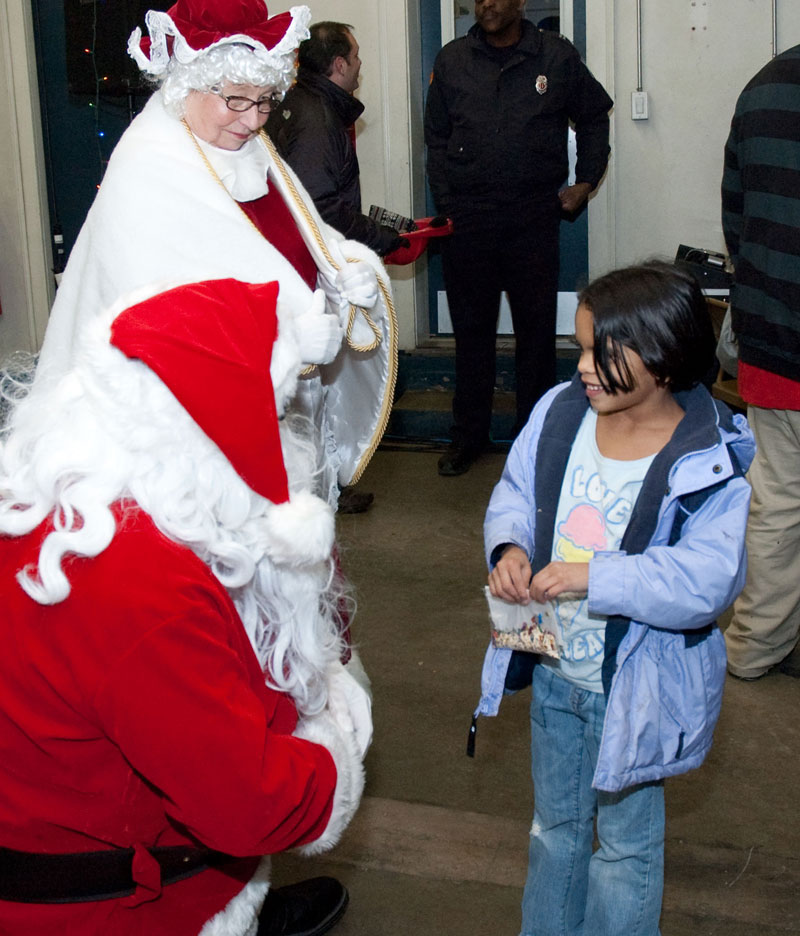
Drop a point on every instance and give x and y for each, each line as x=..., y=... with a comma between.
x=533, y=628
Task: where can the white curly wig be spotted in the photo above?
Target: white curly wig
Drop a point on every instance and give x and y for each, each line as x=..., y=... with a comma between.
x=111, y=430
x=227, y=64
x=235, y=59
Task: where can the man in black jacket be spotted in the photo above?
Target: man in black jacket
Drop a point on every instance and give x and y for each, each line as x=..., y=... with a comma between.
x=313, y=130
x=496, y=126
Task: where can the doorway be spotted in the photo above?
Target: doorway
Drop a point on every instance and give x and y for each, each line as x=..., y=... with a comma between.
x=454, y=19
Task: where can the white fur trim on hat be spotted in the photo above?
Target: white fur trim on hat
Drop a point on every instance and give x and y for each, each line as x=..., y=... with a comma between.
x=299, y=532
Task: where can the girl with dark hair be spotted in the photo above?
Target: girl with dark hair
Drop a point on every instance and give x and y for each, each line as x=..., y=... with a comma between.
x=623, y=504
x=660, y=312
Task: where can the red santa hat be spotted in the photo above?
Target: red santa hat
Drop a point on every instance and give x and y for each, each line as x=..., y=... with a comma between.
x=191, y=27
x=211, y=343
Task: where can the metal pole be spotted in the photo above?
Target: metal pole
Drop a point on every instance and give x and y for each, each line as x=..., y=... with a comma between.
x=774, y=28
x=639, y=83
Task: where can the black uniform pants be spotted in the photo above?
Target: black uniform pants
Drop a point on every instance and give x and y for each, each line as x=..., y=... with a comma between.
x=478, y=267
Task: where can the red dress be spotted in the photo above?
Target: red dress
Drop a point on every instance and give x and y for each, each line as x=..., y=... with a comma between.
x=275, y=222
x=135, y=713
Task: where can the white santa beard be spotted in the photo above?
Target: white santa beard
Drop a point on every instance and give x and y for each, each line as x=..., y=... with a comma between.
x=291, y=613
x=136, y=440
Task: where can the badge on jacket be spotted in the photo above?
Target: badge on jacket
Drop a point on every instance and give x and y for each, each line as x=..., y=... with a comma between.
x=541, y=83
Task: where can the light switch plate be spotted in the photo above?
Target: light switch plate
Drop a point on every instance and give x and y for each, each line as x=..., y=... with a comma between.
x=639, y=105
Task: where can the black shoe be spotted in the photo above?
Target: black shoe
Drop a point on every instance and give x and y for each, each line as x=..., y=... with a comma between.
x=308, y=908
x=352, y=501
x=790, y=664
x=458, y=458
x=789, y=667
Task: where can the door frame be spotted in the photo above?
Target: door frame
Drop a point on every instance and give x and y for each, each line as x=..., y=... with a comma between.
x=26, y=277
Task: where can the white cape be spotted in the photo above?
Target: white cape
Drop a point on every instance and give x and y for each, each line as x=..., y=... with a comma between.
x=163, y=216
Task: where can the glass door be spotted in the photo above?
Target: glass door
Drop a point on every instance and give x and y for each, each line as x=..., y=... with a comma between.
x=443, y=20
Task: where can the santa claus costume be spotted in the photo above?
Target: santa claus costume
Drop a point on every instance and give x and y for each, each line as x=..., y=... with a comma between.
x=172, y=700
x=172, y=704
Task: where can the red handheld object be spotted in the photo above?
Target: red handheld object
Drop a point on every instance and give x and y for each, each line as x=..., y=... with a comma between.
x=418, y=239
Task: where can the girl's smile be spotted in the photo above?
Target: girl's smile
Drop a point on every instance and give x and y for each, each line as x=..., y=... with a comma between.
x=646, y=392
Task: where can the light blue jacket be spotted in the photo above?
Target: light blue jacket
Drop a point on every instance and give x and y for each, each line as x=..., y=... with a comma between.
x=664, y=666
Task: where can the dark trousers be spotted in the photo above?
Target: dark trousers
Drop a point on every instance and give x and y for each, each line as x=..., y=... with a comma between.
x=477, y=268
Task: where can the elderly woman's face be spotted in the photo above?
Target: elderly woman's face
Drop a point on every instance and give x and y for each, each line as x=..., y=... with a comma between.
x=211, y=120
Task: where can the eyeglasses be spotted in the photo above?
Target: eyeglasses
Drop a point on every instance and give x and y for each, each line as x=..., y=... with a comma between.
x=241, y=104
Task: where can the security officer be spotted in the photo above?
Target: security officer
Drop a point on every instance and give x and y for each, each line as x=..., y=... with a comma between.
x=496, y=127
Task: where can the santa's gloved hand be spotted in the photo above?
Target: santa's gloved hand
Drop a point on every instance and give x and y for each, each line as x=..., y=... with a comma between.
x=350, y=703
x=355, y=284
x=317, y=333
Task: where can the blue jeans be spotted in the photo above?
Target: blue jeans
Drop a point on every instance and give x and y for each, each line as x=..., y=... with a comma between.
x=571, y=891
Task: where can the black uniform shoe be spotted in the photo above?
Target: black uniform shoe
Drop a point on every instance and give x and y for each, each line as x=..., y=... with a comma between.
x=308, y=908
x=458, y=458
x=352, y=501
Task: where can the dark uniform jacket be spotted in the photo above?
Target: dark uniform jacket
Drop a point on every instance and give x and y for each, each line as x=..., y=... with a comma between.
x=496, y=123
x=312, y=130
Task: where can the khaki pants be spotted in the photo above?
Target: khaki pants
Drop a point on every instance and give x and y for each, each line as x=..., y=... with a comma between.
x=766, y=619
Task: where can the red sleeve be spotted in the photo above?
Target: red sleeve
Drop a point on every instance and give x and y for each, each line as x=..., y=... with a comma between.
x=763, y=388
x=184, y=709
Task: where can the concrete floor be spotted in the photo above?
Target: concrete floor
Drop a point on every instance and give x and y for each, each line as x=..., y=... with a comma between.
x=440, y=843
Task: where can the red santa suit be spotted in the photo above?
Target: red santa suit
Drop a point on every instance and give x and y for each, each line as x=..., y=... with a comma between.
x=145, y=663
x=134, y=713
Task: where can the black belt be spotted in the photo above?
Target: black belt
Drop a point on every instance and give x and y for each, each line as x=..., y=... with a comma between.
x=31, y=877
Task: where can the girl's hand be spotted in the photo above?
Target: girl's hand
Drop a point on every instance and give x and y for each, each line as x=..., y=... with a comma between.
x=510, y=577
x=559, y=577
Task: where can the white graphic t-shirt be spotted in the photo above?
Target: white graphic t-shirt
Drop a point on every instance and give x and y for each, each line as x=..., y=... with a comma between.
x=597, y=499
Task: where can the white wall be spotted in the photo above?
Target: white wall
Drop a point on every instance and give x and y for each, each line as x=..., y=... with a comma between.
x=697, y=55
